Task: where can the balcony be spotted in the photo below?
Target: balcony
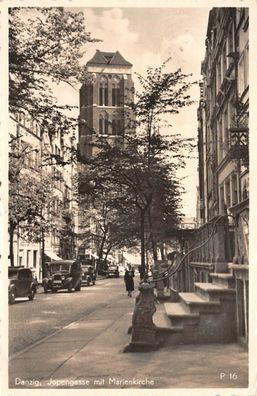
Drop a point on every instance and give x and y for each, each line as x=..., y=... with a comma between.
x=238, y=143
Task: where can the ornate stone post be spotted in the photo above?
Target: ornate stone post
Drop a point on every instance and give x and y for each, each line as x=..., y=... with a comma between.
x=144, y=332
x=220, y=253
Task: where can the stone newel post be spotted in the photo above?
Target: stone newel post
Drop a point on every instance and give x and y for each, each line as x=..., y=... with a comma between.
x=144, y=332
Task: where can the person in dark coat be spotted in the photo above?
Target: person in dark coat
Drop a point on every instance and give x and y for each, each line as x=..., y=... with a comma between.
x=129, y=282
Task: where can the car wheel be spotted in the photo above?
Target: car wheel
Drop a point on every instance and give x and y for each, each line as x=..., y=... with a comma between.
x=54, y=290
x=11, y=297
x=93, y=282
x=32, y=295
x=70, y=288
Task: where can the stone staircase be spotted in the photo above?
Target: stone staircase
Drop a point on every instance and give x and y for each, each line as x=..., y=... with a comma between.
x=207, y=315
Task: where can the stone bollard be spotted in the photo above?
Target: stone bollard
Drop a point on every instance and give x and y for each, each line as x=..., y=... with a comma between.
x=144, y=331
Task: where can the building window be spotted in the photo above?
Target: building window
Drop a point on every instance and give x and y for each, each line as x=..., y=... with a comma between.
x=103, y=124
x=218, y=75
x=116, y=124
x=116, y=127
x=28, y=258
x=243, y=70
x=103, y=92
x=224, y=61
x=230, y=44
x=225, y=131
x=227, y=193
x=34, y=258
x=220, y=140
x=116, y=92
x=234, y=189
x=222, y=201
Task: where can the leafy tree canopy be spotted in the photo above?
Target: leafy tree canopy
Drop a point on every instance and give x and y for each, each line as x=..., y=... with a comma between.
x=45, y=47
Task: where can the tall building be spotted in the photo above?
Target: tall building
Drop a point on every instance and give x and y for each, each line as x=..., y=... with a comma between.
x=223, y=112
x=105, y=113
x=223, y=139
x=104, y=101
x=39, y=159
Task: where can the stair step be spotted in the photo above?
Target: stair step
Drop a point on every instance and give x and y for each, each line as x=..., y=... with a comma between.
x=179, y=316
x=162, y=322
x=193, y=302
x=213, y=292
x=226, y=279
x=178, y=310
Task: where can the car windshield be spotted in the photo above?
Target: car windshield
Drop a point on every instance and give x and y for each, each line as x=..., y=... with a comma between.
x=60, y=267
x=12, y=272
x=25, y=273
x=87, y=267
x=85, y=261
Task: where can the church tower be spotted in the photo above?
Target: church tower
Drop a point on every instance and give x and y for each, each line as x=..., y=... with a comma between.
x=104, y=101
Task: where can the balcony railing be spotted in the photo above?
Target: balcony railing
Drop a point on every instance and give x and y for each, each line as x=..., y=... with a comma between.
x=238, y=143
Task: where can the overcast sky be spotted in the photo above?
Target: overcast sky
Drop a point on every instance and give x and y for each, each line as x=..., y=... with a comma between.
x=147, y=37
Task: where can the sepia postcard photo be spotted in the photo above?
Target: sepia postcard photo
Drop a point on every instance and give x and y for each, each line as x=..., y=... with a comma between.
x=127, y=239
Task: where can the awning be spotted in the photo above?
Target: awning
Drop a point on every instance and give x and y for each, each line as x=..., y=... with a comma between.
x=52, y=255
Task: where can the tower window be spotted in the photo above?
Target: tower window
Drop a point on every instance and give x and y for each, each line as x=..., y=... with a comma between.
x=103, y=92
x=116, y=127
x=116, y=92
x=116, y=124
x=103, y=124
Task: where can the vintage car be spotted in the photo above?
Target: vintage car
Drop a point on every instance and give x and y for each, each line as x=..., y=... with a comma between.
x=63, y=274
x=113, y=271
x=21, y=283
x=88, y=275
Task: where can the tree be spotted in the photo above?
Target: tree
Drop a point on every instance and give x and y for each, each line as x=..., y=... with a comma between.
x=45, y=47
x=31, y=211
x=115, y=226
x=147, y=162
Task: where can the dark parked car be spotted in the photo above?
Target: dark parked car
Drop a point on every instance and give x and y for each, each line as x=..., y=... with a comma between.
x=21, y=283
x=63, y=274
x=113, y=271
x=88, y=275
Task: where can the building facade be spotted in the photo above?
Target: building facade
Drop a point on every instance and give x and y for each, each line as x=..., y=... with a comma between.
x=40, y=162
x=223, y=140
x=104, y=101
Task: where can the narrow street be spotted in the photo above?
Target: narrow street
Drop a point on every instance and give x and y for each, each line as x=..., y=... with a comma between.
x=76, y=341
x=30, y=321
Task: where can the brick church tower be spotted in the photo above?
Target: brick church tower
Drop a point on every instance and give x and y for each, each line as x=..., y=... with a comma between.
x=103, y=101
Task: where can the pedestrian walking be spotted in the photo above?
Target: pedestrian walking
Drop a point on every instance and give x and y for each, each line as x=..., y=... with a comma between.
x=129, y=282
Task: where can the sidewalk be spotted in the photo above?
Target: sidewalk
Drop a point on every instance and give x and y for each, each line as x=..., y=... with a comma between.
x=89, y=354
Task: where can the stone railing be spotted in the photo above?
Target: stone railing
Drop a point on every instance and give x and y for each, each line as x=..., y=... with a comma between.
x=205, y=250
x=216, y=251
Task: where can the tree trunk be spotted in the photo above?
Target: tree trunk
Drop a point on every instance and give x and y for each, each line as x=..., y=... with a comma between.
x=142, y=234
x=106, y=254
x=151, y=237
x=44, y=274
x=101, y=248
x=11, y=235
